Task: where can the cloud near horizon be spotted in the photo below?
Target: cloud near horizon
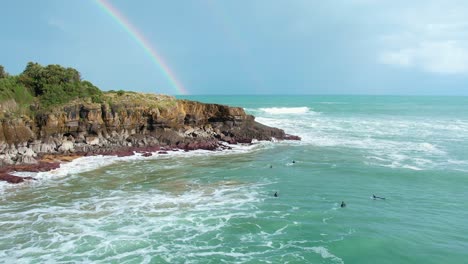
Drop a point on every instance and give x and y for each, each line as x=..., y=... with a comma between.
x=430, y=37
x=441, y=57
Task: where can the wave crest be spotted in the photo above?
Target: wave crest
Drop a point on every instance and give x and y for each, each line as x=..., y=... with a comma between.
x=286, y=110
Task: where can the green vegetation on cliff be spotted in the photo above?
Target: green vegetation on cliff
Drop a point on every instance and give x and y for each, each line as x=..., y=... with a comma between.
x=45, y=86
x=45, y=89
x=3, y=74
x=12, y=89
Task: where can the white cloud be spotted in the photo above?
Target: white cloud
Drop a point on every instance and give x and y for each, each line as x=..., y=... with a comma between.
x=443, y=57
x=402, y=57
x=448, y=57
x=431, y=38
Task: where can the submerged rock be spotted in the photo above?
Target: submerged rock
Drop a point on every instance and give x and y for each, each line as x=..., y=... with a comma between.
x=13, y=179
x=291, y=137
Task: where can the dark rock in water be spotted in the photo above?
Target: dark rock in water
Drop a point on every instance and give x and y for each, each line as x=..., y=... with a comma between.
x=147, y=154
x=291, y=137
x=162, y=152
x=244, y=140
x=124, y=153
x=206, y=145
x=13, y=179
x=41, y=166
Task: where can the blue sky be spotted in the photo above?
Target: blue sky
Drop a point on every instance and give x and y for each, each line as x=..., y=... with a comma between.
x=249, y=47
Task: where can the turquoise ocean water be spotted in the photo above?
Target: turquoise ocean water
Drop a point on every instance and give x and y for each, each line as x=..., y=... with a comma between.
x=218, y=207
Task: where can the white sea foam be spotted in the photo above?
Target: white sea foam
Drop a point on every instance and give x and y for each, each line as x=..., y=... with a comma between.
x=3, y=187
x=117, y=224
x=90, y=163
x=287, y=110
x=326, y=254
x=457, y=162
x=415, y=144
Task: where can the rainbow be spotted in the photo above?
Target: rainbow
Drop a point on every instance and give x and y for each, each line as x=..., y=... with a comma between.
x=144, y=43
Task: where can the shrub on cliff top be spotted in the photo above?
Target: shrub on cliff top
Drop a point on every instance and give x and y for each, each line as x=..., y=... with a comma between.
x=55, y=85
x=43, y=87
x=11, y=89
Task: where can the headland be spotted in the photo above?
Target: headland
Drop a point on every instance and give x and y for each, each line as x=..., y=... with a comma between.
x=48, y=115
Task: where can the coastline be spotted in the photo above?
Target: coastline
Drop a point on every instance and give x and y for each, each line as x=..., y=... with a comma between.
x=40, y=134
x=59, y=116
x=127, y=124
x=51, y=161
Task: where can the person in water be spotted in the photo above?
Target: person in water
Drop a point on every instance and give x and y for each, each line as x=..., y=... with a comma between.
x=276, y=194
x=343, y=204
x=377, y=197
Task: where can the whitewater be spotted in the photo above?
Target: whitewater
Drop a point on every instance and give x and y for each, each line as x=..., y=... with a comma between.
x=218, y=206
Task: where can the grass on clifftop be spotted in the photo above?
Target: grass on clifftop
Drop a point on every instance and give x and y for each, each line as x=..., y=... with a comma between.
x=135, y=99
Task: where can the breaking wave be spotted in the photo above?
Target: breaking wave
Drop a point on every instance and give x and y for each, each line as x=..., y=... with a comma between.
x=287, y=110
x=414, y=144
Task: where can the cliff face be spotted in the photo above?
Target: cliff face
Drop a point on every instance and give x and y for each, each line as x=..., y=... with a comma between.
x=92, y=128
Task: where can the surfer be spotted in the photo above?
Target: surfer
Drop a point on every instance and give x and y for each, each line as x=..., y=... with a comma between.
x=293, y=161
x=343, y=204
x=276, y=194
x=377, y=197
x=271, y=166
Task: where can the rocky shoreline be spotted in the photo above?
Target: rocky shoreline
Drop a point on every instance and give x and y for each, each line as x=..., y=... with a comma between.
x=42, y=142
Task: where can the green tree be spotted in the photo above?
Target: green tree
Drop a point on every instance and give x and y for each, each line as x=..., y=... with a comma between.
x=32, y=78
x=3, y=73
x=55, y=84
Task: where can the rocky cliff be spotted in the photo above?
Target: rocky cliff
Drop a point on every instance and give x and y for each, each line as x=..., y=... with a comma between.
x=127, y=123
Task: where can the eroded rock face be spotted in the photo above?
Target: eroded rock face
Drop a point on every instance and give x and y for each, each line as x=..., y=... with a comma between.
x=121, y=128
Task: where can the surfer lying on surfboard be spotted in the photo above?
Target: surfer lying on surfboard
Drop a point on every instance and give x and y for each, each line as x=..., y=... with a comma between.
x=377, y=197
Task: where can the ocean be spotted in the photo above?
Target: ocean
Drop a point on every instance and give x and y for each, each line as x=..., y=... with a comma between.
x=219, y=207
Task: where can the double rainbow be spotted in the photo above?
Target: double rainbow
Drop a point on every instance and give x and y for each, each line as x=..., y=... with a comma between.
x=144, y=43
